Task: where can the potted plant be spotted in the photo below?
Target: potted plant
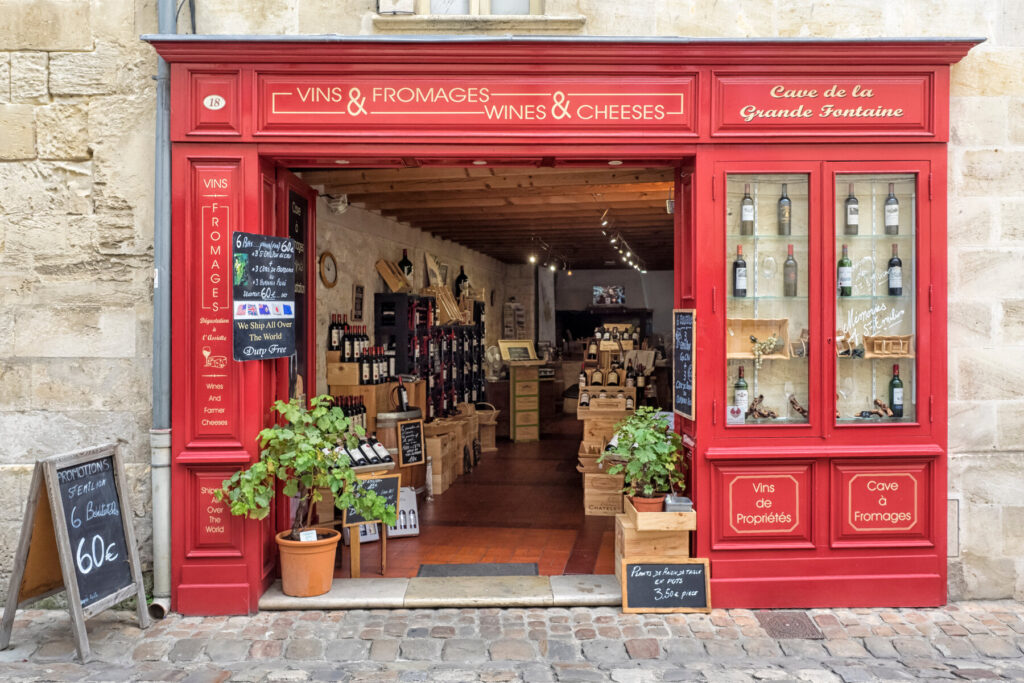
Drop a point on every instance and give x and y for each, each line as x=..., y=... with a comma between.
x=649, y=455
x=301, y=450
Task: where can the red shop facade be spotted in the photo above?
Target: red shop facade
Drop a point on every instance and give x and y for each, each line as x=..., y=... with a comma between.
x=824, y=503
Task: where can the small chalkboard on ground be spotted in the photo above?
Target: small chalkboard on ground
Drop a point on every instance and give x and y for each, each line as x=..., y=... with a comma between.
x=665, y=584
x=386, y=486
x=410, y=443
x=77, y=536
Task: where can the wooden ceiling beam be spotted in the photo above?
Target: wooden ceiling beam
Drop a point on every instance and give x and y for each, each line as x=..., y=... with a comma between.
x=539, y=211
x=561, y=190
x=607, y=200
x=500, y=183
x=341, y=177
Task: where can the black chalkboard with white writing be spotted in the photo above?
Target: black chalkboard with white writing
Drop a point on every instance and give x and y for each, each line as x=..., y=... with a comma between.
x=386, y=486
x=410, y=443
x=263, y=301
x=683, y=361
x=668, y=585
x=92, y=511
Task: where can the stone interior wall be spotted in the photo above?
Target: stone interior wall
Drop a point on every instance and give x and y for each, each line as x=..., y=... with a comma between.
x=76, y=131
x=358, y=238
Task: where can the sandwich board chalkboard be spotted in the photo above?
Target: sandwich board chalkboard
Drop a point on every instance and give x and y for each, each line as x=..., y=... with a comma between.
x=683, y=360
x=386, y=486
x=410, y=443
x=665, y=584
x=77, y=536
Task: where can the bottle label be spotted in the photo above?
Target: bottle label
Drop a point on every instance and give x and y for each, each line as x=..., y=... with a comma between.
x=852, y=215
x=784, y=213
x=378, y=447
x=334, y=338
x=747, y=212
x=892, y=215
x=845, y=276
x=897, y=397
x=740, y=399
x=741, y=278
x=630, y=381
x=896, y=277
x=366, y=372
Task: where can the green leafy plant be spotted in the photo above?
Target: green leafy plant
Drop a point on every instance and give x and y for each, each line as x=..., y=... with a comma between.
x=648, y=453
x=301, y=451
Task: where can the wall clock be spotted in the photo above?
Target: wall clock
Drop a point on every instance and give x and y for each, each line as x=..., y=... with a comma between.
x=328, y=269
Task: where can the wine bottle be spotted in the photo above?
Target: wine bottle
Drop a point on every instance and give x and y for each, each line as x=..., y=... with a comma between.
x=584, y=398
x=364, y=370
x=592, y=350
x=607, y=334
x=597, y=377
x=630, y=403
x=746, y=212
x=844, y=274
x=641, y=378
x=740, y=395
x=630, y=375
x=368, y=453
x=356, y=456
x=347, y=345
x=583, y=376
x=613, y=376
x=332, y=334
x=852, y=214
x=785, y=212
x=739, y=273
x=379, y=448
x=461, y=282
x=789, y=271
x=896, y=392
x=892, y=213
x=405, y=265
x=371, y=354
x=895, y=273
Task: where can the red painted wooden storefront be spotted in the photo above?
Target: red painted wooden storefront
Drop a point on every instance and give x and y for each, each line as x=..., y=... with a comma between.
x=804, y=511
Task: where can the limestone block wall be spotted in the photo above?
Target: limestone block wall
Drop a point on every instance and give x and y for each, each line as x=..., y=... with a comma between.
x=76, y=140
x=76, y=197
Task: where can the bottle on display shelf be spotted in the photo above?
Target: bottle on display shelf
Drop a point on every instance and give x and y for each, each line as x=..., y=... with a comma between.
x=785, y=212
x=367, y=450
x=584, y=398
x=333, y=336
x=641, y=378
x=892, y=212
x=844, y=273
x=379, y=448
x=392, y=360
x=740, y=394
x=789, y=274
x=592, y=349
x=739, y=274
x=620, y=394
x=895, y=273
x=583, y=376
x=746, y=212
x=630, y=374
x=374, y=366
x=636, y=334
x=630, y=403
x=405, y=265
x=603, y=393
x=607, y=334
x=365, y=372
x=615, y=334
x=461, y=283
x=597, y=377
x=852, y=214
x=357, y=458
x=896, y=392
x=613, y=375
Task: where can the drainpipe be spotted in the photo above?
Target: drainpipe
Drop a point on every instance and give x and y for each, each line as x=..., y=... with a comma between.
x=160, y=434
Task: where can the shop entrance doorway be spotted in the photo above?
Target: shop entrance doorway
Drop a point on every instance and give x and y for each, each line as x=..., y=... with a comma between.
x=537, y=233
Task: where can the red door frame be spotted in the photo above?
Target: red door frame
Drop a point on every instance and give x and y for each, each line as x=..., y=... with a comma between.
x=226, y=154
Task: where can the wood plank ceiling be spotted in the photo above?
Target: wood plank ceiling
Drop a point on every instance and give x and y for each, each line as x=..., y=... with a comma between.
x=503, y=212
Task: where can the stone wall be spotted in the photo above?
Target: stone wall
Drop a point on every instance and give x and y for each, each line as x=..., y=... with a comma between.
x=76, y=140
x=76, y=197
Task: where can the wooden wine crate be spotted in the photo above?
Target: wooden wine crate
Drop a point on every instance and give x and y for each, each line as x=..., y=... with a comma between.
x=591, y=449
x=739, y=330
x=602, y=494
x=612, y=414
x=594, y=390
x=631, y=542
x=601, y=427
x=487, y=438
x=889, y=346
x=660, y=521
x=393, y=276
x=341, y=374
x=440, y=450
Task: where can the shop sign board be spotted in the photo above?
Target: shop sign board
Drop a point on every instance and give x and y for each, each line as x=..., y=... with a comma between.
x=324, y=102
x=795, y=104
x=665, y=584
x=764, y=504
x=387, y=486
x=683, y=361
x=883, y=503
x=410, y=443
x=263, y=285
x=77, y=536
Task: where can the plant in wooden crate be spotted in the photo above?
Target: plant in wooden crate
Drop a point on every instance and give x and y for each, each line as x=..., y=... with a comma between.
x=301, y=451
x=649, y=455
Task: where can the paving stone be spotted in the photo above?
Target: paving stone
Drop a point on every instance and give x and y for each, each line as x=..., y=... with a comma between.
x=304, y=649
x=761, y=647
x=643, y=648
x=152, y=650
x=845, y=648
x=420, y=649
x=602, y=650
x=718, y=649
x=994, y=646
x=228, y=650
x=685, y=649
x=442, y=632
x=558, y=650
x=187, y=650
x=347, y=650
x=817, y=676
x=464, y=650
x=512, y=649
x=682, y=675
x=795, y=647
x=573, y=672
x=384, y=650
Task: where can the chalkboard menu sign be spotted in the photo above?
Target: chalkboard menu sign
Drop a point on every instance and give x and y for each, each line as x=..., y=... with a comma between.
x=410, y=443
x=77, y=536
x=263, y=287
x=652, y=584
x=386, y=486
x=683, y=360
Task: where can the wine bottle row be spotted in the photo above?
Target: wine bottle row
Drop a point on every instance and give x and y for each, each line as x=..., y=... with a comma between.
x=368, y=452
x=851, y=210
x=844, y=273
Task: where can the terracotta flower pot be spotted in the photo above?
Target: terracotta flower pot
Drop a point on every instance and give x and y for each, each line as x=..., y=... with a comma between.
x=307, y=567
x=656, y=504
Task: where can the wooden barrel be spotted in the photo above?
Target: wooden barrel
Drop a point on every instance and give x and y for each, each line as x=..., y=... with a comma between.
x=387, y=434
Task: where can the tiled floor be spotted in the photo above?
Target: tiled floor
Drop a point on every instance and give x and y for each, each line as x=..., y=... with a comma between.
x=521, y=504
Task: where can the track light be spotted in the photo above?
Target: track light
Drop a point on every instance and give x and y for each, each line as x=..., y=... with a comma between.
x=569, y=272
x=552, y=267
x=533, y=258
x=613, y=239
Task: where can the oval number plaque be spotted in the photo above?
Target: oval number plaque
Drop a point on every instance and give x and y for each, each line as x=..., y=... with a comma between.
x=214, y=102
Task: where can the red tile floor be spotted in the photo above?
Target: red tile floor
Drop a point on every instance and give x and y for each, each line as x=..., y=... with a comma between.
x=523, y=503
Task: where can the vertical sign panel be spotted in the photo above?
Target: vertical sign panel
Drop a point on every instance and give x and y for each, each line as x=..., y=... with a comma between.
x=683, y=361
x=215, y=409
x=263, y=285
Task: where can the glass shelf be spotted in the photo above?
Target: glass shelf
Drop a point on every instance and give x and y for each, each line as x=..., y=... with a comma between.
x=767, y=297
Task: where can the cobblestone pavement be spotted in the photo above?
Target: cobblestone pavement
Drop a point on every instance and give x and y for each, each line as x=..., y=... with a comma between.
x=967, y=640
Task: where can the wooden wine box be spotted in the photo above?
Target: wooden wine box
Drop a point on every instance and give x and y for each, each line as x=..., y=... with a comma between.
x=440, y=450
x=631, y=542
x=602, y=494
x=646, y=522
x=488, y=443
x=342, y=374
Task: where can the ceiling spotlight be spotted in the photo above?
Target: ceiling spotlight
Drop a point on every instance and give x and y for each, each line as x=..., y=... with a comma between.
x=613, y=239
x=604, y=217
x=623, y=259
x=479, y=162
x=569, y=272
x=342, y=161
x=615, y=163
x=628, y=254
x=552, y=267
x=533, y=258
x=644, y=271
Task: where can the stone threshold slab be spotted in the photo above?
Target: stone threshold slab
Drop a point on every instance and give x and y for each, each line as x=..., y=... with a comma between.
x=499, y=591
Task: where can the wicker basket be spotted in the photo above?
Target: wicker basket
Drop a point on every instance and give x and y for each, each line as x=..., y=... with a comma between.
x=487, y=413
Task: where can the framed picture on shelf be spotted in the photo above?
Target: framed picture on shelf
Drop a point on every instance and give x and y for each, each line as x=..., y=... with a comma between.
x=358, y=295
x=517, y=349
